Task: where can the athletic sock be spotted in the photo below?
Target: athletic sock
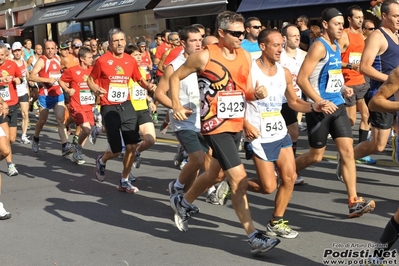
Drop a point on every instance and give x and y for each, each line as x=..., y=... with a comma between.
x=35, y=139
x=184, y=203
x=211, y=189
x=251, y=236
x=178, y=185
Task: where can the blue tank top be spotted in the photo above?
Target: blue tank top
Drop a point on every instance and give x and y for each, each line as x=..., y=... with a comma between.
x=385, y=62
x=327, y=78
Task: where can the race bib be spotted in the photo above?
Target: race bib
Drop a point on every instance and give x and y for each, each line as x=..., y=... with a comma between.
x=118, y=92
x=22, y=88
x=354, y=58
x=87, y=97
x=335, y=81
x=55, y=75
x=5, y=93
x=231, y=104
x=139, y=93
x=272, y=124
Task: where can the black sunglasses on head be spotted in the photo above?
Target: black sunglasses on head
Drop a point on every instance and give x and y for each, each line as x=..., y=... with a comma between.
x=236, y=34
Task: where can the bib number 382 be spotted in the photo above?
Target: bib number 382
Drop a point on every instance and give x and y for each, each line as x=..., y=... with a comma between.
x=231, y=104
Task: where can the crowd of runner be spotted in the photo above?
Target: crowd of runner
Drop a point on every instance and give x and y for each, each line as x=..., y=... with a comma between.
x=243, y=86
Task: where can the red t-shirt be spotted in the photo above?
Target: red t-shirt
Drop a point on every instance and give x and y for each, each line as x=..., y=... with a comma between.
x=113, y=74
x=77, y=76
x=8, y=90
x=52, y=69
x=172, y=55
x=161, y=49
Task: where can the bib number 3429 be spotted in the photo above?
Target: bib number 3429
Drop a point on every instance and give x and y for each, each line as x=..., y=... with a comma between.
x=231, y=104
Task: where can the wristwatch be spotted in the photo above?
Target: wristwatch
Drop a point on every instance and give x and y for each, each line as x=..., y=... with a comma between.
x=349, y=66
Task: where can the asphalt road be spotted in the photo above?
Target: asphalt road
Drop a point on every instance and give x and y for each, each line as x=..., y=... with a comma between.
x=61, y=215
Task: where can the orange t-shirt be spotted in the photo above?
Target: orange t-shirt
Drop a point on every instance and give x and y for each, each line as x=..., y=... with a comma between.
x=223, y=78
x=352, y=55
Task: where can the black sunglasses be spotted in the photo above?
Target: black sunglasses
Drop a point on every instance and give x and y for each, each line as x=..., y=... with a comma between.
x=203, y=35
x=370, y=28
x=257, y=27
x=236, y=34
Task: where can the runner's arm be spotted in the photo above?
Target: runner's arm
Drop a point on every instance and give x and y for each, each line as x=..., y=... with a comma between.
x=372, y=48
x=163, y=88
x=379, y=102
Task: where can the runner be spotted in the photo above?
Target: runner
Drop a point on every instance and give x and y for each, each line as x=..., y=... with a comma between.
x=10, y=77
x=224, y=80
x=379, y=58
x=109, y=79
x=268, y=141
x=74, y=82
x=22, y=90
x=47, y=71
x=320, y=77
x=352, y=46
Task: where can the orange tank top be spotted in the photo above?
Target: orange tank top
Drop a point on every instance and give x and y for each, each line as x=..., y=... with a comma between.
x=222, y=85
x=352, y=55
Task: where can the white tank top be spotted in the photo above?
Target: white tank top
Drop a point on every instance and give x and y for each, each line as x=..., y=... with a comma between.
x=264, y=114
x=293, y=64
x=189, y=98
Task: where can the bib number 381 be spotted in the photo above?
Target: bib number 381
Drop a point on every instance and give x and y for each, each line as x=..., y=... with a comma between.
x=118, y=93
x=231, y=104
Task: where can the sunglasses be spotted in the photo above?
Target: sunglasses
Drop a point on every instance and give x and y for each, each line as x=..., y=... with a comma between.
x=77, y=47
x=257, y=27
x=175, y=39
x=236, y=34
x=370, y=28
x=203, y=36
x=298, y=21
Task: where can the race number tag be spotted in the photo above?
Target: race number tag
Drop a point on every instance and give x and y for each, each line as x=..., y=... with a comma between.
x=55, y=75
x=87, y=97
x=272, y=124
x=117, y=92
x=5, y=93
x=335, y=81
x=231, y=104
x=22, y=88
x=139, y=93
x=354, y=58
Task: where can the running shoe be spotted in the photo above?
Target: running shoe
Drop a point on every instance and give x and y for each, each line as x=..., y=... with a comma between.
x=395, y=151
x=77, y=156
x=360, y=206
x=281, y=229
x=67, y=149
x=212, y=198
x=223, y=192
x=93, y=135
x=131, y=178
x=75, y=140
x=136, y=160
x=12, y=171
x=299, y=180
x=262, y=243
x=4, y=215
x=25, y=140
x=164, y=127
x=173, y=190
x=178, y=156
x=35, y=146
x=155, y=118
x=100, y=169
x=127, y=187
x=181, y=213
x=366, y=160
x=183, y=163
x=302, y=127
x=339, y=170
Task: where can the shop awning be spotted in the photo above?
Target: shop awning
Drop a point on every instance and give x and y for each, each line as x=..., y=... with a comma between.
x=188, y=8
x=255, y=5
x=11, y=32
x=58, y=13
x=100, y=8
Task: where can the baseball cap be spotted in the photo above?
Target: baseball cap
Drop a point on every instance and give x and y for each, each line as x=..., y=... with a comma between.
x=7, y=45
x=16, y=46
x=64, y=46
x=142, y=44
x=330, y=13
